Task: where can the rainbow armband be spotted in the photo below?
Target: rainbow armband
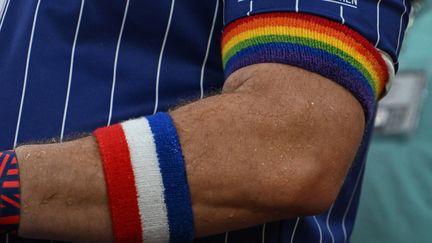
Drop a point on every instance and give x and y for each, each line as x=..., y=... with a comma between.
x=313, y=43
x=146, y=181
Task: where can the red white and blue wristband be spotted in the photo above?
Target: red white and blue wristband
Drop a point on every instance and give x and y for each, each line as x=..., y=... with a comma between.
x=9, y=192
x=146, y=181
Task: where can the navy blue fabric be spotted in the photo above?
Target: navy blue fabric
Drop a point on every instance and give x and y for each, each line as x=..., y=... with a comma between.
x=172, y=167
x=155, y=68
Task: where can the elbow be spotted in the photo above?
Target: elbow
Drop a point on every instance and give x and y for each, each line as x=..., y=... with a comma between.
x=309, y=179
x=311, y=190
x=320, y=166
x=319, y=189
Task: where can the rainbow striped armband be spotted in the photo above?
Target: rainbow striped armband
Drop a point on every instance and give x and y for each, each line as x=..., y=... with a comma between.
x=146, y=181
x=313, y=43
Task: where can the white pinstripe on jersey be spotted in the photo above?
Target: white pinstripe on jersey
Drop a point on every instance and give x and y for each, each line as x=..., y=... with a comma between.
x=341, y=14
x=26, y=73
x=378, y=23
x=294, y=229
x=328, y=223
x=249, y=11
x=3, y=12
x=208, y=49
x=71, y=70
x=250, y=8
x=400, y=26
x=114, y=79
x=223, y=12
x=161, y=56
x=2, y=7
x=359, y=176
x=319, y=229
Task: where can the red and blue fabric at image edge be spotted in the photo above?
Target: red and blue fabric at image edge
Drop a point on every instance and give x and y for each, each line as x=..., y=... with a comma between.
x=9, y=192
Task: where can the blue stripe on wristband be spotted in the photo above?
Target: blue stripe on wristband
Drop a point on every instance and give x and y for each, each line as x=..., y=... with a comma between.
x=172, y=166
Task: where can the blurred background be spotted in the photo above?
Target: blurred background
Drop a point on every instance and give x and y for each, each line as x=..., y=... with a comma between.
x=396, y=199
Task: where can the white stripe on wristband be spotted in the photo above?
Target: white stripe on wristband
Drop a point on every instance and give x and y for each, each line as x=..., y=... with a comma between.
x=148, y=180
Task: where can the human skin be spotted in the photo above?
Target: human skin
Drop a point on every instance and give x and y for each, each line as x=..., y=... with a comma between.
x=276, y=143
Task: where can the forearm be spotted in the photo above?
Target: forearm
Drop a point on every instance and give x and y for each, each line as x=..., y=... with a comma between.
x=251, y=154
x=63, y=193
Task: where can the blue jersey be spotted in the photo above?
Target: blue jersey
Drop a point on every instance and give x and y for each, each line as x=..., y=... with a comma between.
x=70, y=66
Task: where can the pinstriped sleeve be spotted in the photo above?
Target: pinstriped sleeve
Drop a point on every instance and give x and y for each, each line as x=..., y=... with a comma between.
x=352, y=42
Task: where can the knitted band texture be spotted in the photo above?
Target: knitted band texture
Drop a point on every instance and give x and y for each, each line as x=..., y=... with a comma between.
x=146, y=181
x=312, y=43
x=9, y=192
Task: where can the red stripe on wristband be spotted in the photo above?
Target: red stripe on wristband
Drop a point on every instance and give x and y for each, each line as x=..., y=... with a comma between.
x=9, y=220
x=120, y=181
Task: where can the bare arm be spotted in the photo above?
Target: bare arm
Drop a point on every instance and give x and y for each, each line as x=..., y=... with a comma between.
x=276, y=143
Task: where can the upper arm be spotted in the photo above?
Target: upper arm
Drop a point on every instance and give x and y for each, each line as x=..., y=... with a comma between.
x=299, y=118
